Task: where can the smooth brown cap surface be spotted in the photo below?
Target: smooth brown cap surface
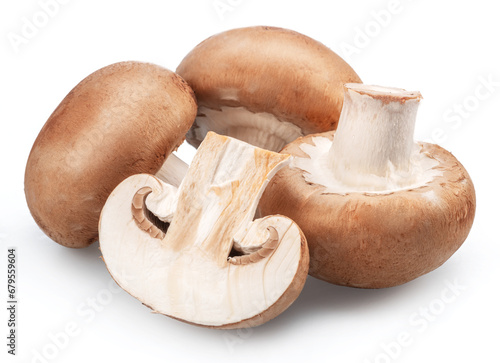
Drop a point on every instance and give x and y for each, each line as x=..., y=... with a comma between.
x=123, y=119
x=273, y=70
x=370, y=240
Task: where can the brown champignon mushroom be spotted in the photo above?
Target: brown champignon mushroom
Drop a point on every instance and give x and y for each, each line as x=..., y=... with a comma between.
x=377, y=208
x=265, y=85
x=121, y=120
x=195, y=253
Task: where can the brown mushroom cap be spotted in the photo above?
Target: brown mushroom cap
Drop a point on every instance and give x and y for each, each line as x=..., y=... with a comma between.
x=268, y=70
x=121, y=120
x=374, y=240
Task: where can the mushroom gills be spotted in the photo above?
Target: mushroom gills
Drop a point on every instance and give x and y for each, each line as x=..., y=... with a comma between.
x=315, y=161
x=146, y=219
x=260, y=129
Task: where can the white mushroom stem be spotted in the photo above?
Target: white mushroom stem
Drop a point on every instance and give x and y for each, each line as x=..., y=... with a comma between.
x=375, y=134
x=173, y=170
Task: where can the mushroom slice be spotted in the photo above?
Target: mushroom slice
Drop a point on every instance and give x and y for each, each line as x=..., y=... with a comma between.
x=201, y=257
x=377, y=208
x=265, y=85
x=121, y=120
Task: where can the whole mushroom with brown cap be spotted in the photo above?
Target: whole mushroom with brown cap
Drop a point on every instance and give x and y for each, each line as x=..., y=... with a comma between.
x=377, y=208
x=264, y=85
x=123, y=119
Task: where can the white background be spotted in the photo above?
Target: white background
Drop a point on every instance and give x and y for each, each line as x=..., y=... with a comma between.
x=445, y=49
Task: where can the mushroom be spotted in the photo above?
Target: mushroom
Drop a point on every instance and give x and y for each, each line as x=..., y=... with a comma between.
x=266, y=86
x=121, y=120
x=193, y=253
x=377, y=208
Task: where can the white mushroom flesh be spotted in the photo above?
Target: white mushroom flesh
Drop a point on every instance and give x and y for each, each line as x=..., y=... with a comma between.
x=187, y=272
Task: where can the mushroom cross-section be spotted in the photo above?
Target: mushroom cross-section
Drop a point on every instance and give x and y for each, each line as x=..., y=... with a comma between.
x=377, y=208
x=194, y=252
x=265, y=85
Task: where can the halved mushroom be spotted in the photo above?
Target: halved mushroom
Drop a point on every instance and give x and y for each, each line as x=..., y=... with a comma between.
x=194, y=253
x=264, y=85
x=121, y=120
x=377, y=208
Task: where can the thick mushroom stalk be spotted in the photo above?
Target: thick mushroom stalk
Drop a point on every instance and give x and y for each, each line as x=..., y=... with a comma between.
x=194, y=252
x=377, y=208
x=373, y=149
x=374, y=139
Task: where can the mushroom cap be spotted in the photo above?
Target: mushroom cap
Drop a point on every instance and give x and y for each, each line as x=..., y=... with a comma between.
x=121, y=120
x=375, y=240
x=268, y=70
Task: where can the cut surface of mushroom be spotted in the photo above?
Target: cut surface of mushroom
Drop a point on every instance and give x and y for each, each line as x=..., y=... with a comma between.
x=264, y=85
x=377, y=208
x=202, y=258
